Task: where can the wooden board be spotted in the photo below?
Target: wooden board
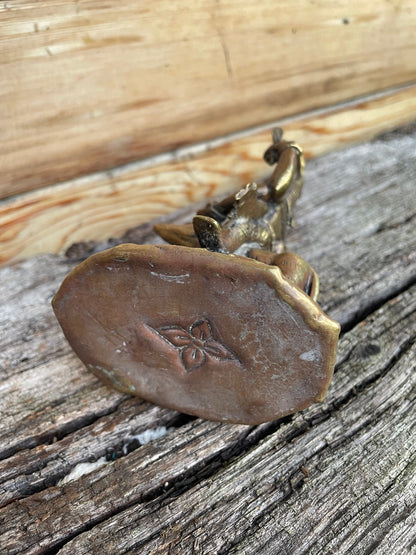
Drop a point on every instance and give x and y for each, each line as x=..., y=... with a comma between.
x=338, y=477
x=106, y=204
x=87, y=85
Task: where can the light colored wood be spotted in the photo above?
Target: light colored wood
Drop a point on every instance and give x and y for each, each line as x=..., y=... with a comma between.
x=336, y=478
x=107, y=204
x=87, y=85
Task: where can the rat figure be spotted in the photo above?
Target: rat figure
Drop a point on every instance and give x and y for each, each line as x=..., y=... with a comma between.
x=222, y=323
x=253, y=221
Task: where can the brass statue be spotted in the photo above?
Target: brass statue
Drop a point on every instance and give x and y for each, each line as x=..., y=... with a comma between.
x=222, y=323
x=253, y=221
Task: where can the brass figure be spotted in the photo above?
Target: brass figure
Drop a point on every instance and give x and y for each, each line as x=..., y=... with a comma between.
x=221, y=324
x=253, y=221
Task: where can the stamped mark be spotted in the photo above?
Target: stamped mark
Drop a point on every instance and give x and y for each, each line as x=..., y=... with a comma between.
x=196, y=345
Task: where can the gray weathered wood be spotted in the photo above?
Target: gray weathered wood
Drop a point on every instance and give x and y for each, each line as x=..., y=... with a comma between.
x=310, y=487
x=338, y=477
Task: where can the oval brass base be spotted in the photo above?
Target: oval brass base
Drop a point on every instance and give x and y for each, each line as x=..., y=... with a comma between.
x=219, y=336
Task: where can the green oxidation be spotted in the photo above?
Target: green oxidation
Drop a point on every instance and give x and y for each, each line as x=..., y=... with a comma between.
x=110, y=374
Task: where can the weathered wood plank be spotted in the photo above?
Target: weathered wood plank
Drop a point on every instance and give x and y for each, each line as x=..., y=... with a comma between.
x=328, y=440
x=109, y=436
x=222, y=488
x=87, y=85
x=341, y=482
x=368, y=201
x=107, y=204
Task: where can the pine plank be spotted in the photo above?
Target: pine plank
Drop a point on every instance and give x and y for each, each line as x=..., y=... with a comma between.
x=87, y=85
x=106, y=204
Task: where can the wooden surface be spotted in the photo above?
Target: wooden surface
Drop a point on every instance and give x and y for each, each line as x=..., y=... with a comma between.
x=339, y=477
x=106, y=204
x=87, y=85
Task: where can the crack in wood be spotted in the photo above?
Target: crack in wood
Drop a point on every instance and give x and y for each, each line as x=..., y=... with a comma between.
x=290, y=486
x=59, y=433
x=120, y=449
x=210, y=469
x=296, y=483
x=375, y=303
x=395, y=224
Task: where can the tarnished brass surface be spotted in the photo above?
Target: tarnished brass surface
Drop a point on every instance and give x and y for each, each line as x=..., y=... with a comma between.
x=223, y=324
x=255, y=217
x=223, y=337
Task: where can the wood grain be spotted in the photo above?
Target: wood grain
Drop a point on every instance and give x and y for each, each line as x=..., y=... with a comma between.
x=106, y=204
x=306, y=491
x=338, y=477
x=87, y=85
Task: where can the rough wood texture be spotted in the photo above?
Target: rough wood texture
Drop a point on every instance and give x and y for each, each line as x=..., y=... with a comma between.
x=339, y=477
x=104, y=205
x=87, y=85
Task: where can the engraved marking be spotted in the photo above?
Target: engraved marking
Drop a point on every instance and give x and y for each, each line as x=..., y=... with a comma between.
x=196, y=345
x=167, y=277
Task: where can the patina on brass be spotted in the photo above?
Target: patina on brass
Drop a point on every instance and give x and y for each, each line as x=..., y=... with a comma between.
x=222, y=324
x=255, y=217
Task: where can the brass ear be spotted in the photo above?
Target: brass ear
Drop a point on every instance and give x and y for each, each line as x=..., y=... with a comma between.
x=209, y=233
